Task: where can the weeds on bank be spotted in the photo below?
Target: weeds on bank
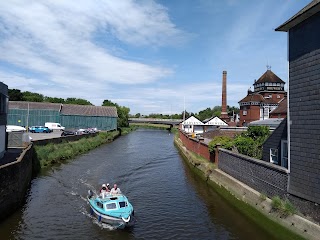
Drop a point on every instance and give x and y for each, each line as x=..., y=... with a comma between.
x=263, y=196
x=54, y=153
x=284, y=207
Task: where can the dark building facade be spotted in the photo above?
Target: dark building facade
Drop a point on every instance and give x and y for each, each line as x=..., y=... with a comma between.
x=304, y=102
x=3, y=116
x=258, y=104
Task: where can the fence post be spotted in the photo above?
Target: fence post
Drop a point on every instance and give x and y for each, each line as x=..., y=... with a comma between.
x=216, y=155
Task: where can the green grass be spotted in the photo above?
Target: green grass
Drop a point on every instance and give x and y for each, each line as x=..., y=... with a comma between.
x=57, y=153
x=126, y=130
x=284, y=207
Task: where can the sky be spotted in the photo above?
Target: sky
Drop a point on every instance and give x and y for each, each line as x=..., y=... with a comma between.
x=151, y=56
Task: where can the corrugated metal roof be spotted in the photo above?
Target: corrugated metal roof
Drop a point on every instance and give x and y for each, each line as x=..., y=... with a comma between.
x=271, y=122
x=88, y=110
x=306, y=12
x=269, y=77
x=34, y=105
x=67, y=109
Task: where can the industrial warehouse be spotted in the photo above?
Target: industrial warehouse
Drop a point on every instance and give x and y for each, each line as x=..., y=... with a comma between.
x=69, y=115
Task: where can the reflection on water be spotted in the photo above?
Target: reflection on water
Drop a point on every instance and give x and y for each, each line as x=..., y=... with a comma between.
x=170, y=201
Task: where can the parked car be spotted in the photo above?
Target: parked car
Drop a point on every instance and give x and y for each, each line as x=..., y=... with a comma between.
x=14, y=128
x=40, y=129
x=68, y=133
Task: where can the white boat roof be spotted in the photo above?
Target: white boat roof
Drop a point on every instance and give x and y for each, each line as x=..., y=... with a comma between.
x=192, y=121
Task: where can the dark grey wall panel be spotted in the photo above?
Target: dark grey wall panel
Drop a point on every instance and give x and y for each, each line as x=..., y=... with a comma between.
x=274, y=141
x=304, y=102
x=304, y=38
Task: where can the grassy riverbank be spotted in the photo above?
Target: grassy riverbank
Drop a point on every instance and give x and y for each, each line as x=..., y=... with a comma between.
x=56, y=153
x=274, y=229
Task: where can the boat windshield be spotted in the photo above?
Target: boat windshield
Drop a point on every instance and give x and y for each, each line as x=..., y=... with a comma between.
x=111, y=206
x=123, y=204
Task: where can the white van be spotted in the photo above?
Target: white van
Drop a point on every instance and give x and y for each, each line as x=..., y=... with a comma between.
x=54, y=126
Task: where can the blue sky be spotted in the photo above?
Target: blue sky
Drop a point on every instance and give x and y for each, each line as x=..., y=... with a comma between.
x=146, y=55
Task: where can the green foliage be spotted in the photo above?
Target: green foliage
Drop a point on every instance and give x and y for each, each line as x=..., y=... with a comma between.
x=55, y=153
x=123, y=113
x=54, y=100
x=15, y=95
x=250, y=142
x=78, y=101
x=284, y=207
x=32, y=97
x=225, y=142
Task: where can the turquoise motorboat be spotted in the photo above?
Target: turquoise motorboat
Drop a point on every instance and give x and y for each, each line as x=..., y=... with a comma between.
x=114, y=209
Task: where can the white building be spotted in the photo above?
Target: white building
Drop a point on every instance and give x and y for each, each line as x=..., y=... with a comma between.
x=213, y=123
x=192, y=125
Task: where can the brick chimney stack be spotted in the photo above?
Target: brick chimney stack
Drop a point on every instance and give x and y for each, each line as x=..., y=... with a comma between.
x=224, y=113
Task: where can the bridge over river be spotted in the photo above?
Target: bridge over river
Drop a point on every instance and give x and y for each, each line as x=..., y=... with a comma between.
x=172, y=122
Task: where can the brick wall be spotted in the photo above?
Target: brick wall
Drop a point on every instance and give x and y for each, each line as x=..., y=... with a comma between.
x=253, y=114
x=196, y=146
x=264, y=177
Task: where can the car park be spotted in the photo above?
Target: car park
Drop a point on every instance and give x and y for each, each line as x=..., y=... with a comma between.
x=39, y=129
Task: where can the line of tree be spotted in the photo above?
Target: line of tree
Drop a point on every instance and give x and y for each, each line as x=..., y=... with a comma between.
x=18, y=95
x=201, y=115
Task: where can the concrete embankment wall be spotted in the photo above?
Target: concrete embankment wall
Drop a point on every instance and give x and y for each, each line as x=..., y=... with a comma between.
x=15, y=178
x=249, y=195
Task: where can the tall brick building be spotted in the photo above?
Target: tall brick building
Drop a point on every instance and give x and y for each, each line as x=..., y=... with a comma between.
x=267, y=94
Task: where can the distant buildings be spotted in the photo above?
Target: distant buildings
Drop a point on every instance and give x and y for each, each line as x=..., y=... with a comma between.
x=267, y=95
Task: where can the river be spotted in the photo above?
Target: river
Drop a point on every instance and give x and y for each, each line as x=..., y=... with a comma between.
x=170, y=200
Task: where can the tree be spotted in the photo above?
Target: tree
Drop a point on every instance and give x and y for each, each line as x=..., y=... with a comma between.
x=123, y=113
x=137, y=115
x=54, y=100
x=78, y=101
x=15, y=95
x=32, y=97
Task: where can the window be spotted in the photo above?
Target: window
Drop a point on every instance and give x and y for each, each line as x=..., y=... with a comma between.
x=244, y=112
x=278, y=96
x=123, y=204
x=3, y=104
x=111, y=206
x=274, y=155
x=99, y=204
x=284, y=153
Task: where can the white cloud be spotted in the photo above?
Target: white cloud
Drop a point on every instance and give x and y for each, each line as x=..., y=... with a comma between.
x=55, y=40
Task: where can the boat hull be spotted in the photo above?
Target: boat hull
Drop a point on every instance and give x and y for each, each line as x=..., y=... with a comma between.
x=113, y=221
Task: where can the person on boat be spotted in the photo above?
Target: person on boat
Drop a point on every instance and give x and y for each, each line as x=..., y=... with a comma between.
x=104, y=190
x=108, y=187
x=115, y=190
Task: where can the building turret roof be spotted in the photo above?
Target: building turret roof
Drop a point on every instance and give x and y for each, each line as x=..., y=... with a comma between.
x=269, y=77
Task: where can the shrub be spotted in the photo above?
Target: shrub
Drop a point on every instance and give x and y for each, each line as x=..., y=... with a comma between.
x=224, y=141
x=285, y=207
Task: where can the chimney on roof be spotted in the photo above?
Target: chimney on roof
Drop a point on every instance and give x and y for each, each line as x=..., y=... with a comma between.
x=224, y=114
